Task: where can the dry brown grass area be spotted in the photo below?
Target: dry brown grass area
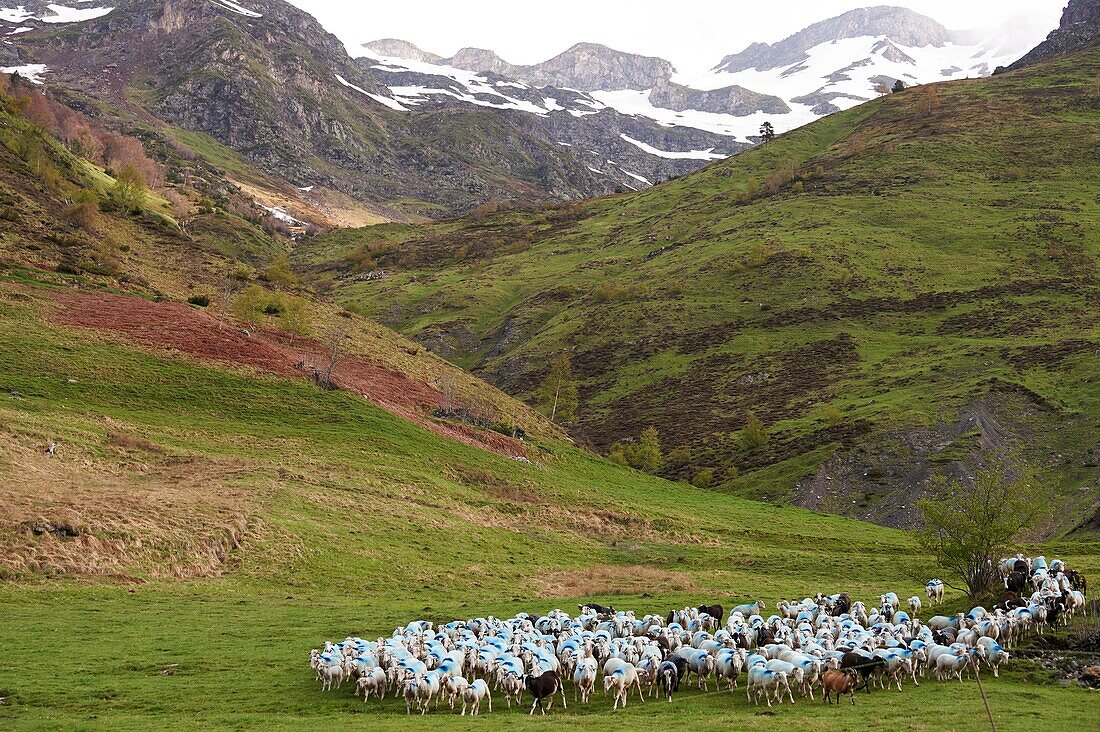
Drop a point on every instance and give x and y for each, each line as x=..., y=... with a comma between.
x=603, y=580
x=135, y=513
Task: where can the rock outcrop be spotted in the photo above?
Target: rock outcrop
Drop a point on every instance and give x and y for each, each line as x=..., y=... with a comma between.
x=1079, y=29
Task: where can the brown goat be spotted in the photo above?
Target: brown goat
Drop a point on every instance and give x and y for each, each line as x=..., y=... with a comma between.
x=839, y=682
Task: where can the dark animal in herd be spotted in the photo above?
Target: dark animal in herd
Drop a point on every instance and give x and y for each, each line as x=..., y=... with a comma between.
x=867, y=667
x=715, y=611
x=670, y=673
x=544, y=686
x=596, y=608
x=1016, y=581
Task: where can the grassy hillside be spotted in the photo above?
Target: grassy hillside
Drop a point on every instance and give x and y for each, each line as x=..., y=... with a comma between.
x=894, y=291
x=210, y=512
x=201, y=527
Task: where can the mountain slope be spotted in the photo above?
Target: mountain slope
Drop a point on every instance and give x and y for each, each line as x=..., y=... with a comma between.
x=1078, y=29
x=913, y=276
x=280, y=91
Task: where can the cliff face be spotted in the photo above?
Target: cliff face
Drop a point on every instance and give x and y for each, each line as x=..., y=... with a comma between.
x=1079, y=29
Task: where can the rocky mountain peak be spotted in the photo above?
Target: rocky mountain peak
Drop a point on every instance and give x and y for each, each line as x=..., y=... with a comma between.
x=900, y=25
x=398, y=48
x=584, y=66
x=480, y=60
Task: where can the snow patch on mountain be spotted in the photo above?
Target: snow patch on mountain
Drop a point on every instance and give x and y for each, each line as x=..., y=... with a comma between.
x=56, y=14
x=637, y=103
x=386, y=101
x=238, y=9
x=30, y=72
x=673, y=155
x=843, y=73
x=65, y=14
x=468, y=87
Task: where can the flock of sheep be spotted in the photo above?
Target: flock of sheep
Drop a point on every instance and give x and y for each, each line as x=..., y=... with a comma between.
x=828, y=643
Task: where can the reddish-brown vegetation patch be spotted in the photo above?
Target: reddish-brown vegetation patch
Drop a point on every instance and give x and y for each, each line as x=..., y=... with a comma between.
x=177, y=328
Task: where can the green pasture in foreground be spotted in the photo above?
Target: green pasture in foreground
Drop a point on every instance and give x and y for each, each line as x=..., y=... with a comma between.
x=359, y=521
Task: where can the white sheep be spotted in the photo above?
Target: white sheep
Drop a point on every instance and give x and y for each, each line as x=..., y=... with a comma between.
x=621, y=680
x=584, y=679
x=473, y=695
x=373, y=682
x=767, y=682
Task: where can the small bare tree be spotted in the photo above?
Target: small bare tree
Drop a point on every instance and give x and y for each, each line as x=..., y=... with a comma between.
x=335, y=347
x=229, y=288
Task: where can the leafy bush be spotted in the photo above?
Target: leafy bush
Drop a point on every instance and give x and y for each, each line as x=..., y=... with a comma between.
x=83, y=210
x=754, y=434
x=279, y=272
x=128, y=191
x=644, y=455
x=704, y=478
x=255, y=304
x=201, y=301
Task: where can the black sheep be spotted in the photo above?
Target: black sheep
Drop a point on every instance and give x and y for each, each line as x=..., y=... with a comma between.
x=670, y=673
x=544, y=686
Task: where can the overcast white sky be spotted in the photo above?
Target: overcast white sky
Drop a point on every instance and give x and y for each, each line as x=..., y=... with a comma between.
x=693, y=34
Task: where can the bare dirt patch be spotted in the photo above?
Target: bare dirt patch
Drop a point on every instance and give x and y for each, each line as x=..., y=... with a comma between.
x=179, y=329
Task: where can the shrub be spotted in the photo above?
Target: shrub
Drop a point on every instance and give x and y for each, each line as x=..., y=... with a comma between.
x=83, y=210
x=704, y=478
x=647, y=454
x=618, y=455
x=832, y=415
x=679, y=457
x=754, y=434
x=279, y=272
x=295, y=316
x=201, y=301
x=251, y=304
x=128, y=191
